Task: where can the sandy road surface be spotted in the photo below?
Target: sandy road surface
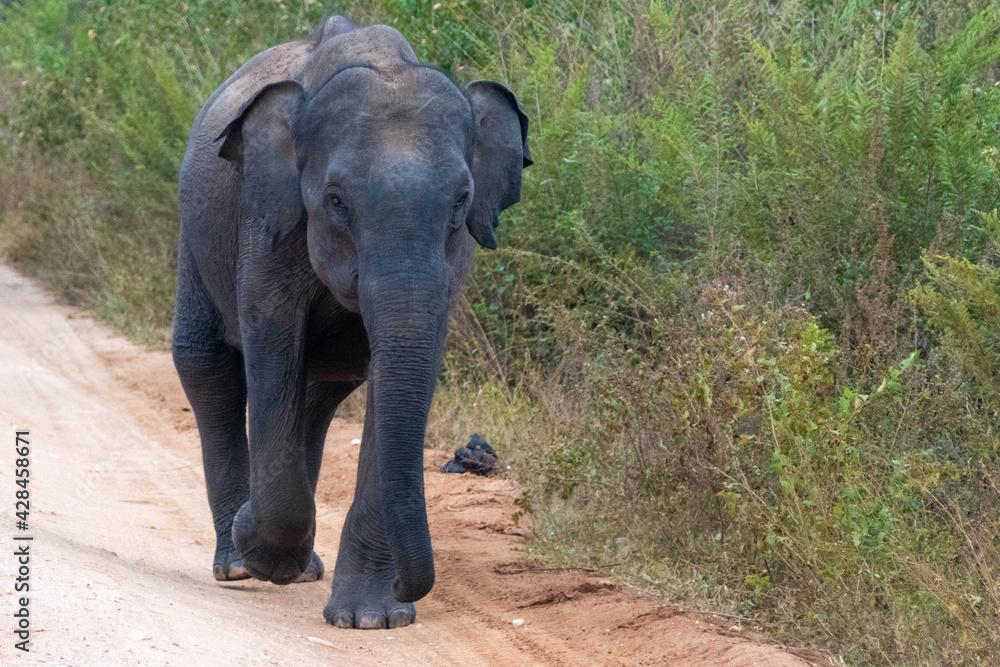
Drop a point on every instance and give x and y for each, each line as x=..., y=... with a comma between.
x=123, y=541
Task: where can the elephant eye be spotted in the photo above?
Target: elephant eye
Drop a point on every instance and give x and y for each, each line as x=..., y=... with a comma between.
x=458, y=217
x=336, y=209
x=335, y=203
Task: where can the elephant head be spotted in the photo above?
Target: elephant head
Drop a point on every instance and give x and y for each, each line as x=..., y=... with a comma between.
x=393, y=171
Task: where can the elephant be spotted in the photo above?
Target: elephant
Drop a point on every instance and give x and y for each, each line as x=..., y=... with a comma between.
x=332, y=196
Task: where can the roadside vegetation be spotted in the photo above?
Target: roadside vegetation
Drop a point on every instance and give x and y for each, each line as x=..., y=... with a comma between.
x=741, y=341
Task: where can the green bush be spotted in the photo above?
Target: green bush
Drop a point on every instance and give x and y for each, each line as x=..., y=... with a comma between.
x=739, y=341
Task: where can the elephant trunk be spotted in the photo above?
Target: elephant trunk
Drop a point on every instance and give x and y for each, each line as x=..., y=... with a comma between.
x=406, y=316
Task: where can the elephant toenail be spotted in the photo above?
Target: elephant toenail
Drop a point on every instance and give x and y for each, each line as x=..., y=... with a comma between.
x=371, y=620
x=343, y=620
x=400, y=618
x=237, y=571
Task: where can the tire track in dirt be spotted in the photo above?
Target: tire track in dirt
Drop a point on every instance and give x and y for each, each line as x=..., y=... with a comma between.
x=123, y=539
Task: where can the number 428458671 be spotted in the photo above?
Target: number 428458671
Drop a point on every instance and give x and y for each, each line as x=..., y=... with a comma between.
x=22, y=449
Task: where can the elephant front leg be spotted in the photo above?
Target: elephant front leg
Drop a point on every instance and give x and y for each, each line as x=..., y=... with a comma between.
x=365, y=573
x=274, y=530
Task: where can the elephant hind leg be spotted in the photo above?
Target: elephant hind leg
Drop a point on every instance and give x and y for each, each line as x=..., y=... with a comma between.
x=322, y=399
x=213, y=378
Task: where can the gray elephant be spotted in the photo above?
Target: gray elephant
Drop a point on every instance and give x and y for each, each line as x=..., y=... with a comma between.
x=331, y=198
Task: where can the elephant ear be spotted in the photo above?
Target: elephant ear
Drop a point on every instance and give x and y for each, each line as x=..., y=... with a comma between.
x=260, y=142
x=501, y=152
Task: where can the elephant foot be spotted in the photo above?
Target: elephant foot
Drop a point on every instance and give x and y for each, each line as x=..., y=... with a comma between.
x=233, y=570
x=266, y=562
x=366, y=602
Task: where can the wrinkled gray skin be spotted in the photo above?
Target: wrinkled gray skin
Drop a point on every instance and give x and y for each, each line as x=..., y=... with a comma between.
x=331, y=197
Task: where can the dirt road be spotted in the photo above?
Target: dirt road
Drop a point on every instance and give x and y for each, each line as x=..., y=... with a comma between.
x=123, y=543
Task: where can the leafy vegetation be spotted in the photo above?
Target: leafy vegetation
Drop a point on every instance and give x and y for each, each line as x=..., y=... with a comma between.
x=740, y=341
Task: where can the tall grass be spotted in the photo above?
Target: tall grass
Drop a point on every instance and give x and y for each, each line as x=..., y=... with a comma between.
x=738, y=342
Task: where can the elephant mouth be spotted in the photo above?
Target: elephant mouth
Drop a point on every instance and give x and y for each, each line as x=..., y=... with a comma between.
x=347, y=296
